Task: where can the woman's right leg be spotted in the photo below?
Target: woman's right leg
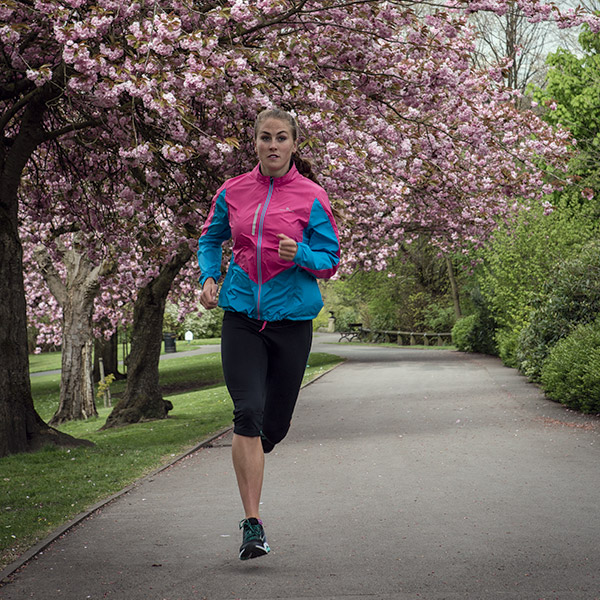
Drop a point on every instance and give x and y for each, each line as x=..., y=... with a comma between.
x=245, y=362
x=249, y=465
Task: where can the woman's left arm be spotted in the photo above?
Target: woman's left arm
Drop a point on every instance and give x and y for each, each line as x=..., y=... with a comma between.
x=319, y=250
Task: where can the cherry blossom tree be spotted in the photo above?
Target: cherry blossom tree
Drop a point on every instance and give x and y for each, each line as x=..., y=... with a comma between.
x=407, y=136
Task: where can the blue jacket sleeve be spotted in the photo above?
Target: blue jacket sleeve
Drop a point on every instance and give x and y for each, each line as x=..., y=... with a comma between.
x=215, y=231
x=319, y=251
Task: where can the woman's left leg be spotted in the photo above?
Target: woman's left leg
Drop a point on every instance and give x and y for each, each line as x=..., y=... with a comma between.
x=288, y=347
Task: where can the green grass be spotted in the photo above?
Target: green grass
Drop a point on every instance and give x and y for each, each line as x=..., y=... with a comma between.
x=41, y=491
x=50, y=361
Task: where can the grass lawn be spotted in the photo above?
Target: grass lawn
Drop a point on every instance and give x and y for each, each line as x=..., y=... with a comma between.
x=50, y=361
x=41, y=491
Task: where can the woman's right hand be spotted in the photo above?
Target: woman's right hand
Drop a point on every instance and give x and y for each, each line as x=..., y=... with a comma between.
x=208, y=296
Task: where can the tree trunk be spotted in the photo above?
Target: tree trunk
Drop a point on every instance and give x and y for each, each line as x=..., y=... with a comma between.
x=454, y=288
x=108, y=351
x=76, y=297
x=76, y=384
x=21, y=428
x=142, y=399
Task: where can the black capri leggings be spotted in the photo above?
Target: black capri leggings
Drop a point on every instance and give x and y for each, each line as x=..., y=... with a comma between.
x=263, y=364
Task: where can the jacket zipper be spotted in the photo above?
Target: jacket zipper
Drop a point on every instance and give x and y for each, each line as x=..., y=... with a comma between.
x=259, y=245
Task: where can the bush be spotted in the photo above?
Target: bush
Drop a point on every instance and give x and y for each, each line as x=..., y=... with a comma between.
x=507, y=342
x=344, y=316
x=571, y=373
x=203, y=326
x=522, y=257
x=206, y=325
x=321, y=322
x=571, y=297
x=462, y=333
x=474, y=333
x=438, y=318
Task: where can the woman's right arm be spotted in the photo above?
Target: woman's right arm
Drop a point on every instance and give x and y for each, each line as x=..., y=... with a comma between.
x=215, y=231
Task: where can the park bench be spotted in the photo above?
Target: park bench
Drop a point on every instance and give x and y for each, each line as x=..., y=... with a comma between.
x=353, y=331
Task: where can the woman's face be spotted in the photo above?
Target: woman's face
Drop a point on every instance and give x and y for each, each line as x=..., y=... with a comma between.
x=274, y=145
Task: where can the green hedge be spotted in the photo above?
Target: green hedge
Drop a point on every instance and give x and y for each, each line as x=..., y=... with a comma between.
x=571, y=373
x=475, y=333
x=461, y=333
x=571, y=297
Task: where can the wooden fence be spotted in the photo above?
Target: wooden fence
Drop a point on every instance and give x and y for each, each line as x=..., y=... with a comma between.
x=356, y=331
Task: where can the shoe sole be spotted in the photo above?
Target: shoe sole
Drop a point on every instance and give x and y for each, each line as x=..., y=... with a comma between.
x=253, y=552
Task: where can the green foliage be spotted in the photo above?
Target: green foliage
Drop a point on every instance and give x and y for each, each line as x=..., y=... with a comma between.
x=461, y=333
x=571, y=296
x=411, y=295
x=474, y=333
x=573, y=85
x=507, y=343
x=322, y=320
x=571, y=373
x=518, y=262
x=205, y=325
x=104, y=386
x=439, y=319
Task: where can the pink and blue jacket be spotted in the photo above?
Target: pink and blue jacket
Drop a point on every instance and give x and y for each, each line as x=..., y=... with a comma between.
x=252, y=209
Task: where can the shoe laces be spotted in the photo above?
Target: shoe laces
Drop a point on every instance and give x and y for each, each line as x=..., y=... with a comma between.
x=251, y=531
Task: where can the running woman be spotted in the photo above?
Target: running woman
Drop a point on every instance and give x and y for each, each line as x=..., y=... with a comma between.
x=284, y=238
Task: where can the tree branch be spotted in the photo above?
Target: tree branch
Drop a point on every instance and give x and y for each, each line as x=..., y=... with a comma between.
x=17, y=106
x=50, y=274
x=53, y=135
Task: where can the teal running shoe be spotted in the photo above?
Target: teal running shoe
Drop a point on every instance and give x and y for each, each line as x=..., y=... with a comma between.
x=254, y=542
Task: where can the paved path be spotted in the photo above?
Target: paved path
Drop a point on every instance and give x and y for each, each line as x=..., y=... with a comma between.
x=408, y=474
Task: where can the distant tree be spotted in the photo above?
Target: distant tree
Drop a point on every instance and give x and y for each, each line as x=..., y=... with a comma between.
x=571, y=97
x=514, y=41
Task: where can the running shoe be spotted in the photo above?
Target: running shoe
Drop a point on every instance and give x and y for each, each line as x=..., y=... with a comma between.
x=254, y=543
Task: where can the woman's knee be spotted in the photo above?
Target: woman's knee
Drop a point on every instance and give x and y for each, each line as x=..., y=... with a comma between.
x=247, y=422
x=275, y=433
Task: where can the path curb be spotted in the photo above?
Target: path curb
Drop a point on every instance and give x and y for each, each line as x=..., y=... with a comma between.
x=28, y=555
x=32, y=552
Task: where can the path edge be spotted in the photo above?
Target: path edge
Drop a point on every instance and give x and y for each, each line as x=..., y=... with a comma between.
x=38, y=548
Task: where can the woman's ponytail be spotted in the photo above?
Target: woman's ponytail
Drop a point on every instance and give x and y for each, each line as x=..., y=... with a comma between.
x=304, y=167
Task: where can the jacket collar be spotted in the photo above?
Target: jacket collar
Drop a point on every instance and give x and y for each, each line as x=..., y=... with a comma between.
x=277, y=181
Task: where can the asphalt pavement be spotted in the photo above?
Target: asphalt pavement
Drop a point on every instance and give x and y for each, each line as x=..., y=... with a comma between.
x=407, y=474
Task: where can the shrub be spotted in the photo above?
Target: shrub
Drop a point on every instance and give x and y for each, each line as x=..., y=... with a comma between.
x=474, y=333
x=507, y=341
x=438, y=318
x=571, y=373
x=571, y=297
x=461, y=333
x=522, y=257
x=344, y=316
x=206, y=325
x=321, y=322
x=203, y=326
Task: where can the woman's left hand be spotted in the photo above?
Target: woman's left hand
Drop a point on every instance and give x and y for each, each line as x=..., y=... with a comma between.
x=287, y=247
